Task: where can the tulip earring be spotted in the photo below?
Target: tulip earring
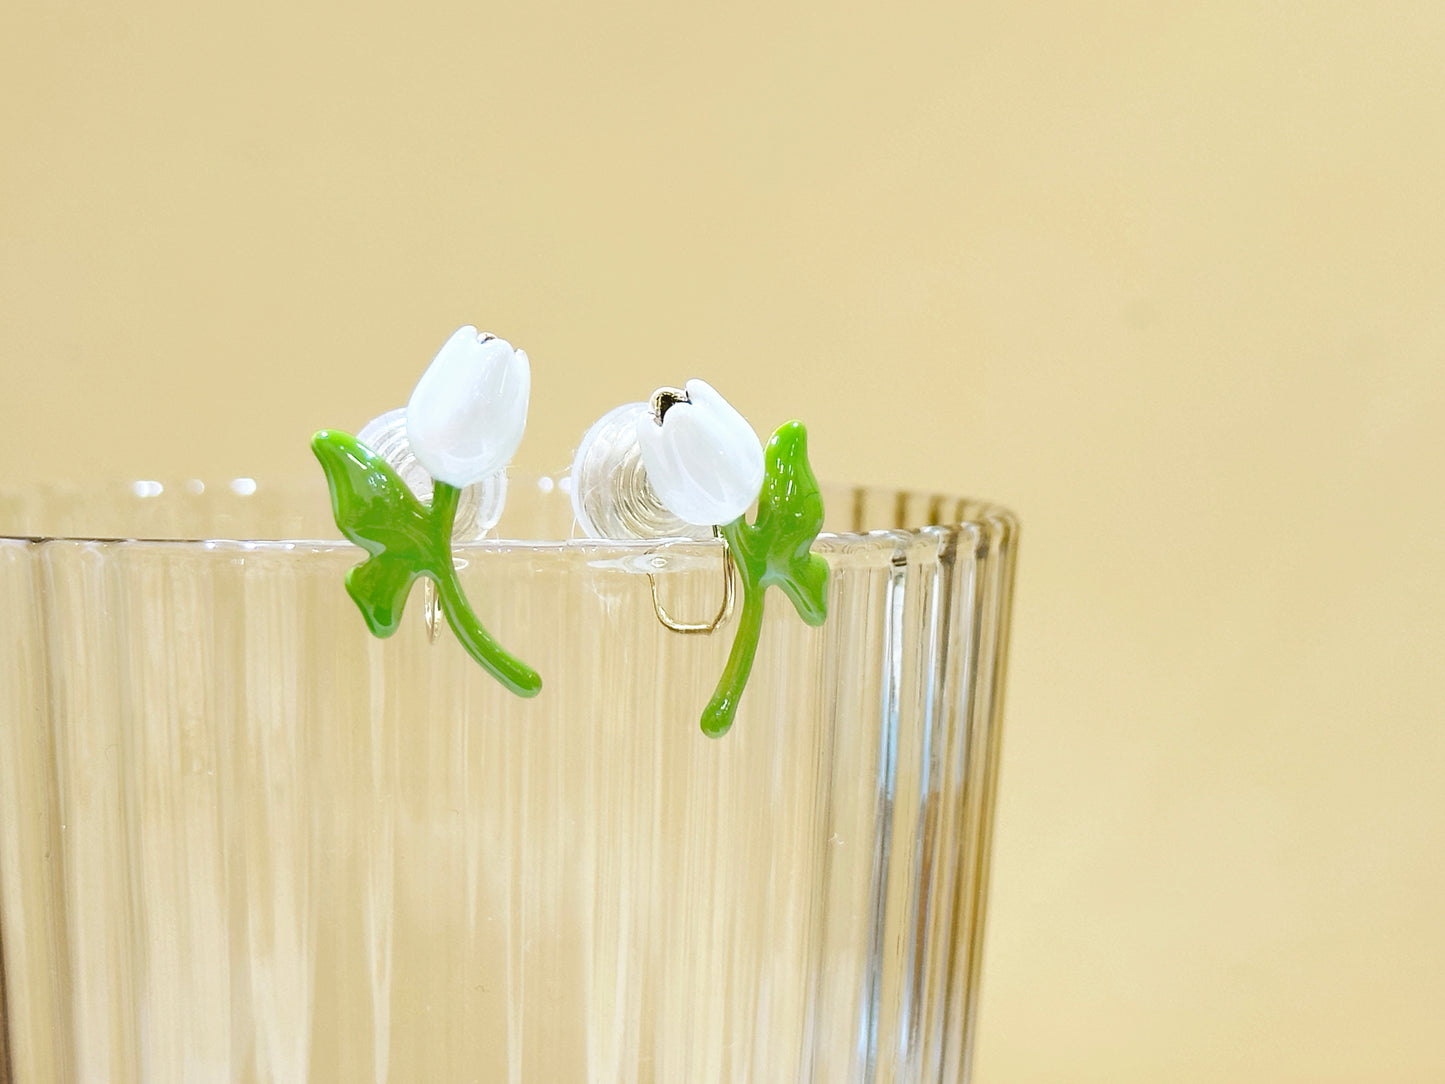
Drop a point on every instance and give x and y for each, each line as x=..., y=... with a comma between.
x=461, y=427
x=687, y=462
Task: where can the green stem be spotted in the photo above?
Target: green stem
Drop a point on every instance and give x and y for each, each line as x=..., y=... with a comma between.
x=717, y=717
x=444, y=499
x=480, y=644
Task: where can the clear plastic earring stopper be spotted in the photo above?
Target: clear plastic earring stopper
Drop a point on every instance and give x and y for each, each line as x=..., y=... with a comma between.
x=611, y=496
x=479, y=507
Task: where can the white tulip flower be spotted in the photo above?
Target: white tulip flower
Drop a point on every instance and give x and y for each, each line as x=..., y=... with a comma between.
x=468, y=410
x=704, y=461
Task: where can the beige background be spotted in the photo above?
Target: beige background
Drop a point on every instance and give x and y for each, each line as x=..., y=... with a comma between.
x=1169, y=279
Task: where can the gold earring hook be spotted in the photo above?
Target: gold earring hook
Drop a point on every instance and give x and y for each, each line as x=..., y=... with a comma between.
x=729, y=596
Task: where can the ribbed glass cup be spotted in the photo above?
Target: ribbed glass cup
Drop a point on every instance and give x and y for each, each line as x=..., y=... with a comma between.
x=243, y=840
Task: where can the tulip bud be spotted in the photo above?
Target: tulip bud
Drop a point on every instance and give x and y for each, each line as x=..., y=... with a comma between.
x=704, y=461
x=468, y=410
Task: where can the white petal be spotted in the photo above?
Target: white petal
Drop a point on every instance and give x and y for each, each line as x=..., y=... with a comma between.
x=469, y=409
x=704, y=461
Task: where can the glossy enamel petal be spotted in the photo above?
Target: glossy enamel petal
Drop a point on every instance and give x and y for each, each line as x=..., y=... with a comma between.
x=468, y=411
x=704, y=460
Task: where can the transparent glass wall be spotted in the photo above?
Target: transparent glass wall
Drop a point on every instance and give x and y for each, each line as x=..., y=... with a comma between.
x=240, y=839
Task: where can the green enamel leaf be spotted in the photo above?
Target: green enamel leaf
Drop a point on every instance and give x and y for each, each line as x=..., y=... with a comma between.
x=790, y=515
x=379, y=586
x=775, y=550
x=375, y=509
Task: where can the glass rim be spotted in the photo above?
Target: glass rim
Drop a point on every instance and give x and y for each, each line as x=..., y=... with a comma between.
x=914, y=513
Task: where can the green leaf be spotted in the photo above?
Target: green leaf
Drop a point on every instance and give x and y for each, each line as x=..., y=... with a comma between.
x=378, y=511
x=790, y=515
x=373, y=507
x=379, y=586
x=806, y=584
x=775, y=550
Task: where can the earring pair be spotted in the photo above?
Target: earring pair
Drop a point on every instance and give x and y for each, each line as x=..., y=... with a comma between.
x=683, y=464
